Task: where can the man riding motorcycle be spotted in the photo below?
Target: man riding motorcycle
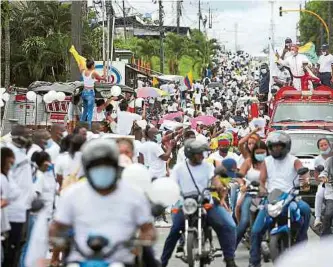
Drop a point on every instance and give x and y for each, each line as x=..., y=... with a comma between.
x=195, y=175
x=101, y=206
x=279, y=172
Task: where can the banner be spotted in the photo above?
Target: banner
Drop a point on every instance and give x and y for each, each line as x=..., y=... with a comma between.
x=116, y=71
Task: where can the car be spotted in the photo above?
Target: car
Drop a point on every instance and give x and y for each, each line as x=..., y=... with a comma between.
x=292, y=109
x=304, y=147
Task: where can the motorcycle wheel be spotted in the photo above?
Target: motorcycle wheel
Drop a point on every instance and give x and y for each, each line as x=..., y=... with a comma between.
x=192, y=247
x=277, y=245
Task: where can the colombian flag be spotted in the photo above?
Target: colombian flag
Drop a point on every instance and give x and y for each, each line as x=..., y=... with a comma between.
x=189, y=80
x=80, y=60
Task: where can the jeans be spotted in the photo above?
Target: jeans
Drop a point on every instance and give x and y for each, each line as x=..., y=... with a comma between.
x=259, y=228
x=31, y=222
x=88, y=99
x=218, y=218
x=327, y=218
x=325, y=78
x=245, y=218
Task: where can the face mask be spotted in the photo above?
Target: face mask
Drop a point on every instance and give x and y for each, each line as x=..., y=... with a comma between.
x=158, y=138
x=260, y=157
x=326, y=152
x=204, y=132
x=324, y=53
x=293, y=53
x=263, y=71
x=103, y=177
x=50, y=168
x=224, y=149
x=48, y=143
x=113, y=115
x=64, y=134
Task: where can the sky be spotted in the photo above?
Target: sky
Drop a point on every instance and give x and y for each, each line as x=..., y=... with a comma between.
x=253, y=19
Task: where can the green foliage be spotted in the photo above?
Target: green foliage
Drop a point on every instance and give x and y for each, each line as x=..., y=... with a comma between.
x=311, y=27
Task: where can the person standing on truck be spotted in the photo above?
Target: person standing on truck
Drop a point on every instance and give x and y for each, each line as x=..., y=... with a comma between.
x=88, y=94
x=325, y=66
x=297, y=63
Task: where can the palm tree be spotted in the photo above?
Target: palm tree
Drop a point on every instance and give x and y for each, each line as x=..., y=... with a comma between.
x=176, y=46
x=147, y=48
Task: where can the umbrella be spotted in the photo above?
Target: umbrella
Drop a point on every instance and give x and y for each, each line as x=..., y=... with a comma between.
x=171, y=116
x=145, y=92
x=205, y=120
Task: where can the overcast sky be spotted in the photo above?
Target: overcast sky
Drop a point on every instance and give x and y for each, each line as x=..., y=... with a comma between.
x=253, y=19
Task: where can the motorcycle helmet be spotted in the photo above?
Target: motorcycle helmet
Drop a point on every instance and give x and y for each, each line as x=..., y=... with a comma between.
x=278, y=138
x=193, y=146
x=100, y=163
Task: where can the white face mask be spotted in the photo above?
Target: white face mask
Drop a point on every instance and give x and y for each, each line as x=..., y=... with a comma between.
x=263, y=71
x=324, y=53
x=113, y=115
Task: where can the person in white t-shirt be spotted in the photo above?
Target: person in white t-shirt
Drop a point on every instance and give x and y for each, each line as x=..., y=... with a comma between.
x=223, y=152
x=325, y=69
x=40, y=141
x=102, y=206
x=154, y=157
x=197, y=99
x=57, y=133
x=126, y=119
x=181, y=154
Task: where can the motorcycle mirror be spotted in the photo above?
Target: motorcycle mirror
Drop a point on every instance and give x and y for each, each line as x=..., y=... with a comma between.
x=302, y=171
x=97, y=243
x=319, y=168
x=36, y=205
x=157, y=210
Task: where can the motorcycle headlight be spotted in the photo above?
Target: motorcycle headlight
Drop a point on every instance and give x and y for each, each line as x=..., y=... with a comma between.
x=274, y=210
x=190, y=206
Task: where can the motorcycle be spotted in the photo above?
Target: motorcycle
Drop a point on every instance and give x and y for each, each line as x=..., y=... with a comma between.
x=97, y=258
x=284, y=215
x=198, y=249
x=256, y=203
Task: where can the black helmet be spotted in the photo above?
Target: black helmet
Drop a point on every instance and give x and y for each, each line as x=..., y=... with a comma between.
x=193, y=146
x=100, y=152
x=278, y=138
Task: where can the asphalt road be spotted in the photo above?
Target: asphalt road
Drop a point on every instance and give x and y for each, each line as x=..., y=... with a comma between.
x=242, y=254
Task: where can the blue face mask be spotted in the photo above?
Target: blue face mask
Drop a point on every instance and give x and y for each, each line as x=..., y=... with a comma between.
x=260, y=157
x=103, y=177
x=326, y=152
x=48, y=143
x=50, y=168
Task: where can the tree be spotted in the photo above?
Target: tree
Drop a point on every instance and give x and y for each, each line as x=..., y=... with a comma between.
x=176, y=46
x=311, y=28
x=5, y=13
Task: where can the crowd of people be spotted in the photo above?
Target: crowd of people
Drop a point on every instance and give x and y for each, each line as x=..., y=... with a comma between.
x=188, y=136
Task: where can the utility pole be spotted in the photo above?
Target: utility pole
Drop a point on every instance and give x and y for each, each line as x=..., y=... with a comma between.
x=110, y=28
x=124, y=18
x=160, y=11
x=179, y=13
x=76, y=32
x=210, y=19
x=272, y=23
x=199, y=15
x=236, y=37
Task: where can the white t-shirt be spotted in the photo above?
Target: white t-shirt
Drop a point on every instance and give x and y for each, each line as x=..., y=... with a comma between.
x=66, y=164
x=137, y=146
x=281, y=173
x=34, y=148
x=197, y=98
x=216, y=156
x=125, y=121
x=319, y=160
x=151, y=152
x=98, y=116
x=181, y=155
x=325, y=63
x=53, y=151
x=46, y=185
x=22, y=176
x=116, y=216
x=202, y=175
